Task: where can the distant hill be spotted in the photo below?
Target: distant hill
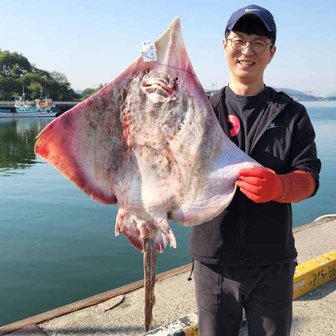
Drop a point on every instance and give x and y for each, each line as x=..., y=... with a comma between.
x=332, y=94
x=295, y=94
x=299, y=95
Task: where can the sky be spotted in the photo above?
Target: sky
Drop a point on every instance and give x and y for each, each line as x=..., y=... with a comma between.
x=91, y=42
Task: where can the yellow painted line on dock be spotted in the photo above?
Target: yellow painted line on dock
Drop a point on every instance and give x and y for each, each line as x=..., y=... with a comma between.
x=308, y=276
x=314, y=273
x=191, y=331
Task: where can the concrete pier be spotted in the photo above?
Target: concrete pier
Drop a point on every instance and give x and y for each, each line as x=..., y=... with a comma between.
x=120, y=311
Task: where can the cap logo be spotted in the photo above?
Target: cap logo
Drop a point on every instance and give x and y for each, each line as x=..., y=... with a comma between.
x=252, y=10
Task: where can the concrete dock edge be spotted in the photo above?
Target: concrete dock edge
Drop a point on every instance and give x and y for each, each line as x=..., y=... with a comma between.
x=315, y=275
x=88, y=302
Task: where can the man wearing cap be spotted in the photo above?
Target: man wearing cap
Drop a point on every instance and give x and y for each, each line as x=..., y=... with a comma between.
x=245, y=258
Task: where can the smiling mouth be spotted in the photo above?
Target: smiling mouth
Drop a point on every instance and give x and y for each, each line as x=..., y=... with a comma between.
x=246, y=64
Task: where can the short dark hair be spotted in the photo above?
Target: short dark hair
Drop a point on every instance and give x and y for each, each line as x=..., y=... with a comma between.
x=250, y=24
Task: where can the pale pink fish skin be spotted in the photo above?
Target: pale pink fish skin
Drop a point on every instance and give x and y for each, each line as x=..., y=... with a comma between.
x=159, y=155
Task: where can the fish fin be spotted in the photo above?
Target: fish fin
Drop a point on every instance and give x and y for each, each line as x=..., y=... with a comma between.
x=219, y=187
x=166, y=231
x=73, y=144
x=137, y=230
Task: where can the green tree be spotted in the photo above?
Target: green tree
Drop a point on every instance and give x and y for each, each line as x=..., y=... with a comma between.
x=90, y=91
x=18, y=75
x=87, y=93
x=64, y=88
x=13, y=64
x=35, y=90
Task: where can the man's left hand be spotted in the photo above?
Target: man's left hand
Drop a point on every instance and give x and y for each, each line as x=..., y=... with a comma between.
x=260, y=184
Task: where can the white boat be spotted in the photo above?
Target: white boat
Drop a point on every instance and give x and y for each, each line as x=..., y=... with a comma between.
x=42, y=108
x=22, y=114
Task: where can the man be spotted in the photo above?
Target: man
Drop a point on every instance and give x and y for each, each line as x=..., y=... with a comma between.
x=245, y=257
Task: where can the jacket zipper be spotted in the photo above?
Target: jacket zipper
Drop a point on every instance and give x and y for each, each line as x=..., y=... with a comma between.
x=262, y=131
x=243, y=216
x=242, y=231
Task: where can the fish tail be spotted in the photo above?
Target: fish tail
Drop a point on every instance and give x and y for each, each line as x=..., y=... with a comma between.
x=149, y=259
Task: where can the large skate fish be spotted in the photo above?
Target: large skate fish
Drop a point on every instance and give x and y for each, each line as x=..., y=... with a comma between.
x=150, y=142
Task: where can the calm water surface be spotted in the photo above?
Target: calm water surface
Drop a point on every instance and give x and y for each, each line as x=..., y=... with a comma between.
x=58, y=246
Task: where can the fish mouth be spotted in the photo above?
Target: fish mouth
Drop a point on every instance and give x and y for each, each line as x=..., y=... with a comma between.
x=159, y=90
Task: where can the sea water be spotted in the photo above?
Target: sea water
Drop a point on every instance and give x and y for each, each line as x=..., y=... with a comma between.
x=58, y=246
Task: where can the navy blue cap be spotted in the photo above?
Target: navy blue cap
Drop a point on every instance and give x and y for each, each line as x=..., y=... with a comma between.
x=263, y=14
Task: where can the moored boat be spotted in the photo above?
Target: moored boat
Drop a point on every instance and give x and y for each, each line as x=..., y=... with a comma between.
x=7, y=113
x=43, y=107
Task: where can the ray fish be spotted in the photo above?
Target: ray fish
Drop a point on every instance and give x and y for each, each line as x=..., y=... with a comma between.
x=150, y=142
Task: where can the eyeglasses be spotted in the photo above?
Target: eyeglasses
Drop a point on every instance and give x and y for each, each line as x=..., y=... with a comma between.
x=239, y=44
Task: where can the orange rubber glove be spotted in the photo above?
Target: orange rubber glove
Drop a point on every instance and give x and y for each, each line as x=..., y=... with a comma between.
x=263, y=185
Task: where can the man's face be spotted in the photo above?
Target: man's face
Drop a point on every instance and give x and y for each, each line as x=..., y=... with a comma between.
x=247, y=65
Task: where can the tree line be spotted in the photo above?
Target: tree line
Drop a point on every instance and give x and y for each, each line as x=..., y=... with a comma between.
x=18, y=76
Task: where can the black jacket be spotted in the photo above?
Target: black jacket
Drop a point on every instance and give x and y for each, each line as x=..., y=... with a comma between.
x=260, y=234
